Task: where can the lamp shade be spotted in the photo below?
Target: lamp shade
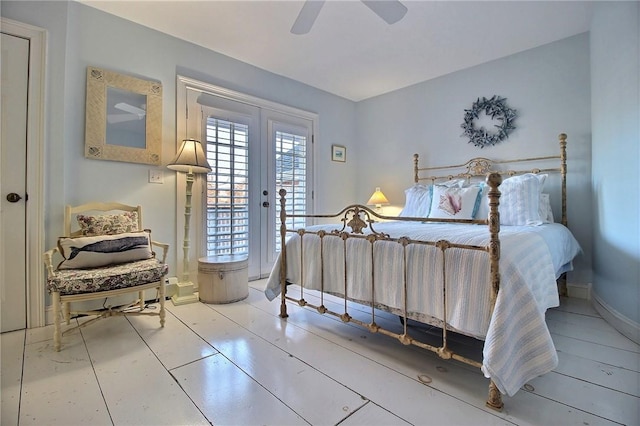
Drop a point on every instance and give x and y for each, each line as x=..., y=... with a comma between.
x=190, y=158
x=377, y=198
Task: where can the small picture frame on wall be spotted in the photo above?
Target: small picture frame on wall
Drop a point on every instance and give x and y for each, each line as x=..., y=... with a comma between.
x=338, y=153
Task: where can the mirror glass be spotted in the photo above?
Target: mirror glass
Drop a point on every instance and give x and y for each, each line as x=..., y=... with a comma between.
x=126, y=118
x=123, y=118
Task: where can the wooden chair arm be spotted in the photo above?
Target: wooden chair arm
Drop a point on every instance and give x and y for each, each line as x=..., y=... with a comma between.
x=48, y=261
x=164, y=247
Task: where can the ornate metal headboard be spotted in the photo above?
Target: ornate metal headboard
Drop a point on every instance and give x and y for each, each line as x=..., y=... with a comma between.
x=480, y=167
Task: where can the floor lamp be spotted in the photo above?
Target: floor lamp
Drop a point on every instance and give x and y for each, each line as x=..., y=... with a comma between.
x=190, y=159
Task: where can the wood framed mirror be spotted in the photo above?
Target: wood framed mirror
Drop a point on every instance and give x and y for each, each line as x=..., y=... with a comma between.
x=123, y=118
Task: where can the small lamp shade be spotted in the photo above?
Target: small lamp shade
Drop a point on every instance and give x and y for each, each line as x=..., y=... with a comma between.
x=377, y=198
x=190, y=158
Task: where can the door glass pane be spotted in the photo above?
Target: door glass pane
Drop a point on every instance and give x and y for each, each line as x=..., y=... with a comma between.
x=227, y=203
x=291, y=175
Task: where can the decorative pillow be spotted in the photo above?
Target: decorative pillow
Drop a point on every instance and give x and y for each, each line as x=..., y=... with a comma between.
x=454, y=202
x=418, y=201
x=543, y=205
x=483, y=208
x=108, y=224
x=546, y=214
x=520, y=199
x=103, y=250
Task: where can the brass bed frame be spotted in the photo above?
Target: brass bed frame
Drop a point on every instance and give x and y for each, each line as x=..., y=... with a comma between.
x=358, y=217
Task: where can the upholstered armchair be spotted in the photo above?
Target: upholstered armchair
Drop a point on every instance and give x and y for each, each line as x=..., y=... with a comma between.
x=104, y=255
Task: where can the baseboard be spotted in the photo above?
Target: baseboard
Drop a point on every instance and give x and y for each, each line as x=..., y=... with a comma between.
x=579, y=291
x=624, y=325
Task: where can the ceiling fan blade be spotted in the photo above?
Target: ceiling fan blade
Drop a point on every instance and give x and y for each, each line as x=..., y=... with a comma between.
x=122, y=118
x=123, y=106
x=307, y=16
x=391, y=11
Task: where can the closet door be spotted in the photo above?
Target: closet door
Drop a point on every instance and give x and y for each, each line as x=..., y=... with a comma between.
x=13, y=153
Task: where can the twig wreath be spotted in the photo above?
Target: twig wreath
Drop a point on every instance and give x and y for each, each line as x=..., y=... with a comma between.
x=496, y=109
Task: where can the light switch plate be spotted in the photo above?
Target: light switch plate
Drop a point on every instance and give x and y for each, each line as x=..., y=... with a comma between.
x=156, y=176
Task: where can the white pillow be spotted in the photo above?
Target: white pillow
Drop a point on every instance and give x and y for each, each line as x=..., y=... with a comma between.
x=454, y=202
x=545, y=211
x=520, y=199
x=418, y=201
x=103, y=250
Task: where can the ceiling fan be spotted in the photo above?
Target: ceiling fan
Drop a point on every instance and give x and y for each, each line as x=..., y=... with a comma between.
x=391, y=11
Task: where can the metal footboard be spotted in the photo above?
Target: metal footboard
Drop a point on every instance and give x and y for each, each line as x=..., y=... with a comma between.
x=354, y=219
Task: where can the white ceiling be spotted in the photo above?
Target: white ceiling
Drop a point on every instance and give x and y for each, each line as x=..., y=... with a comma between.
x=350, y=51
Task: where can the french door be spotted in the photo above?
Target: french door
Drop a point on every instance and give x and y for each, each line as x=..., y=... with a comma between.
x=253, y=152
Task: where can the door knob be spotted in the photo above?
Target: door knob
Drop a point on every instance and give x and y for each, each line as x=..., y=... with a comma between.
x=265, y=204
x=13, y=197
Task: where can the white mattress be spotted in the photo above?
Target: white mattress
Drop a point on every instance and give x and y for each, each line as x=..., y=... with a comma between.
x=517, y=347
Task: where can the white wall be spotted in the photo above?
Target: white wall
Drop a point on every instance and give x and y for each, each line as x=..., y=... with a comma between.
x=549, y=86
x=615, y=69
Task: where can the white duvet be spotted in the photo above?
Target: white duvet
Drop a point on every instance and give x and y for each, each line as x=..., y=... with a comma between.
x=518, y=346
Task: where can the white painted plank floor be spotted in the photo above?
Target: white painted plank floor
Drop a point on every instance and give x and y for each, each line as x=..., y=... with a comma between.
x=240, y=364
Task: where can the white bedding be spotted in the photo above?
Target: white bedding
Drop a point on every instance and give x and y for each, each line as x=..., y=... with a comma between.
x=518, y=346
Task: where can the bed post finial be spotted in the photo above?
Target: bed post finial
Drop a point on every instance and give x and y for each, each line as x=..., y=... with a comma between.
x=563, y=171
x=415, y=168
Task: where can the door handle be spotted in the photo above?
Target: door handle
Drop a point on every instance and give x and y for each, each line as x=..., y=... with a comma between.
x=13, y=197
x=265, y=204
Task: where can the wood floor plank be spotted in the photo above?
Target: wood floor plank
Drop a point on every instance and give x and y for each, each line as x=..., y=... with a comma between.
x=578, y=306
x=228, y=396
x=606, y=403
x=599, y=373
x=324, y=401
x=600, y=353
x=174, y=344
x=580, y=321
x=60, y=388
x=136, y=386
x=613, y=339
x=371, y=414
x=11, y=358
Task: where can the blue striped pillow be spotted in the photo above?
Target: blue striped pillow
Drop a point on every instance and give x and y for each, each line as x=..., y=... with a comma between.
x=520, y=200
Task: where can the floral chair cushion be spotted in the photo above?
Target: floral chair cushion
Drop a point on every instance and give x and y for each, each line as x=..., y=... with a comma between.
x=75, y=281
x=108, y=224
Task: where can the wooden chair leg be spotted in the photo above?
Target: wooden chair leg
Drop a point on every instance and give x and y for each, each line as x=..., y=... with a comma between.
x=161, y=296
x=57, y=334
x=66, y=312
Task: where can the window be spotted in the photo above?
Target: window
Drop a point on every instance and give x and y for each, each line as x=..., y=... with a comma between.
x=291, y=175
x=227, y=215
